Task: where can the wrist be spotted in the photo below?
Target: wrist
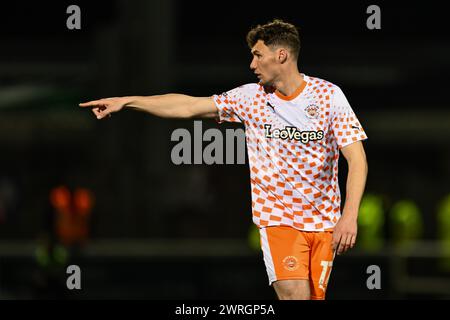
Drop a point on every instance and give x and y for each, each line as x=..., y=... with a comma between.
x=351, y=215
x=128, y=101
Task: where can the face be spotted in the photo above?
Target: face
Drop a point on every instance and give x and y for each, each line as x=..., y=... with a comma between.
x=265, y=63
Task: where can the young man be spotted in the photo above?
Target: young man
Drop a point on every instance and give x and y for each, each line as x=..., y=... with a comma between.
x=295, y=126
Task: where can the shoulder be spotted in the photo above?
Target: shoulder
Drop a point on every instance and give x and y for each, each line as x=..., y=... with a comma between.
x=316, y=83
x=247, y=89
x=330, y=91
x=256, y=90
x=250, y=88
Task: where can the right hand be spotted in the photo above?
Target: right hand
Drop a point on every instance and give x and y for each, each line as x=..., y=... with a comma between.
x=104, y=107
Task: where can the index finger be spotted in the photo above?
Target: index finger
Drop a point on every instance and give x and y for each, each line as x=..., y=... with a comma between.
x=92, y=103
x=336, y=240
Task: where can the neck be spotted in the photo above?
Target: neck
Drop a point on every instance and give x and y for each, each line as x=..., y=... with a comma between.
x=289, y=83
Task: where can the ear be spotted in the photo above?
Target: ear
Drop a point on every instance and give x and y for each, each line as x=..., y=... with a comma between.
x=282, y=55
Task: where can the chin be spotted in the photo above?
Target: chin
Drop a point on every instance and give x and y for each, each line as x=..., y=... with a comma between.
x=265, y=83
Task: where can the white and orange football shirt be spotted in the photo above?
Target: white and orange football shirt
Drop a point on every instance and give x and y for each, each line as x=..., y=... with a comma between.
x=293, y=147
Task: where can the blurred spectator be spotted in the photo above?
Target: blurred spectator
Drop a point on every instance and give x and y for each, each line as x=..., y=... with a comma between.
x=65, y=233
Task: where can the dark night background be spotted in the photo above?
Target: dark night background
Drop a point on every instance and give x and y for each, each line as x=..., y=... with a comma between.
x=162, y=231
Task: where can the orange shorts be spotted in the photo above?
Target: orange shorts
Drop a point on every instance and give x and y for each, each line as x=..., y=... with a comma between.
x=293, y=254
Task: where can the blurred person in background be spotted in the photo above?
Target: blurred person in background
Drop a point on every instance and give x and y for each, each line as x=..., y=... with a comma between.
x=64, y=234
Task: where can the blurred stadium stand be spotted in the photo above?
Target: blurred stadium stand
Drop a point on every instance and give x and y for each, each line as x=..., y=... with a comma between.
x=162, y=231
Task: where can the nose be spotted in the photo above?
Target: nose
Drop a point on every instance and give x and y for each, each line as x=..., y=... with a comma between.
x=253, y=64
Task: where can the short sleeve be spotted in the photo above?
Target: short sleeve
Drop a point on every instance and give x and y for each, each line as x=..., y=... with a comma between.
x=345, y=125
x=231, y=104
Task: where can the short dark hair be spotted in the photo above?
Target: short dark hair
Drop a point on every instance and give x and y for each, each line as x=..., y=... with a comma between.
x=275, y=33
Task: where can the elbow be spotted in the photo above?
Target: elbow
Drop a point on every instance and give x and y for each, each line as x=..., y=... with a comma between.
x=181, y=114
x=188, y=110
x=364, y=165
x=363, y=162
x=186, y=113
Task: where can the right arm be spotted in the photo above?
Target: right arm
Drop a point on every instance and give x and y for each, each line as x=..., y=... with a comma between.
x=166, y=106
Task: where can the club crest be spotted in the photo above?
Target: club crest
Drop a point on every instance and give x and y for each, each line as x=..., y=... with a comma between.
x=312, y=111
x=290, y=263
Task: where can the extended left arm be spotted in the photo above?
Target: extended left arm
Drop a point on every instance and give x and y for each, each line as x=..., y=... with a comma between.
x=346, y=229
